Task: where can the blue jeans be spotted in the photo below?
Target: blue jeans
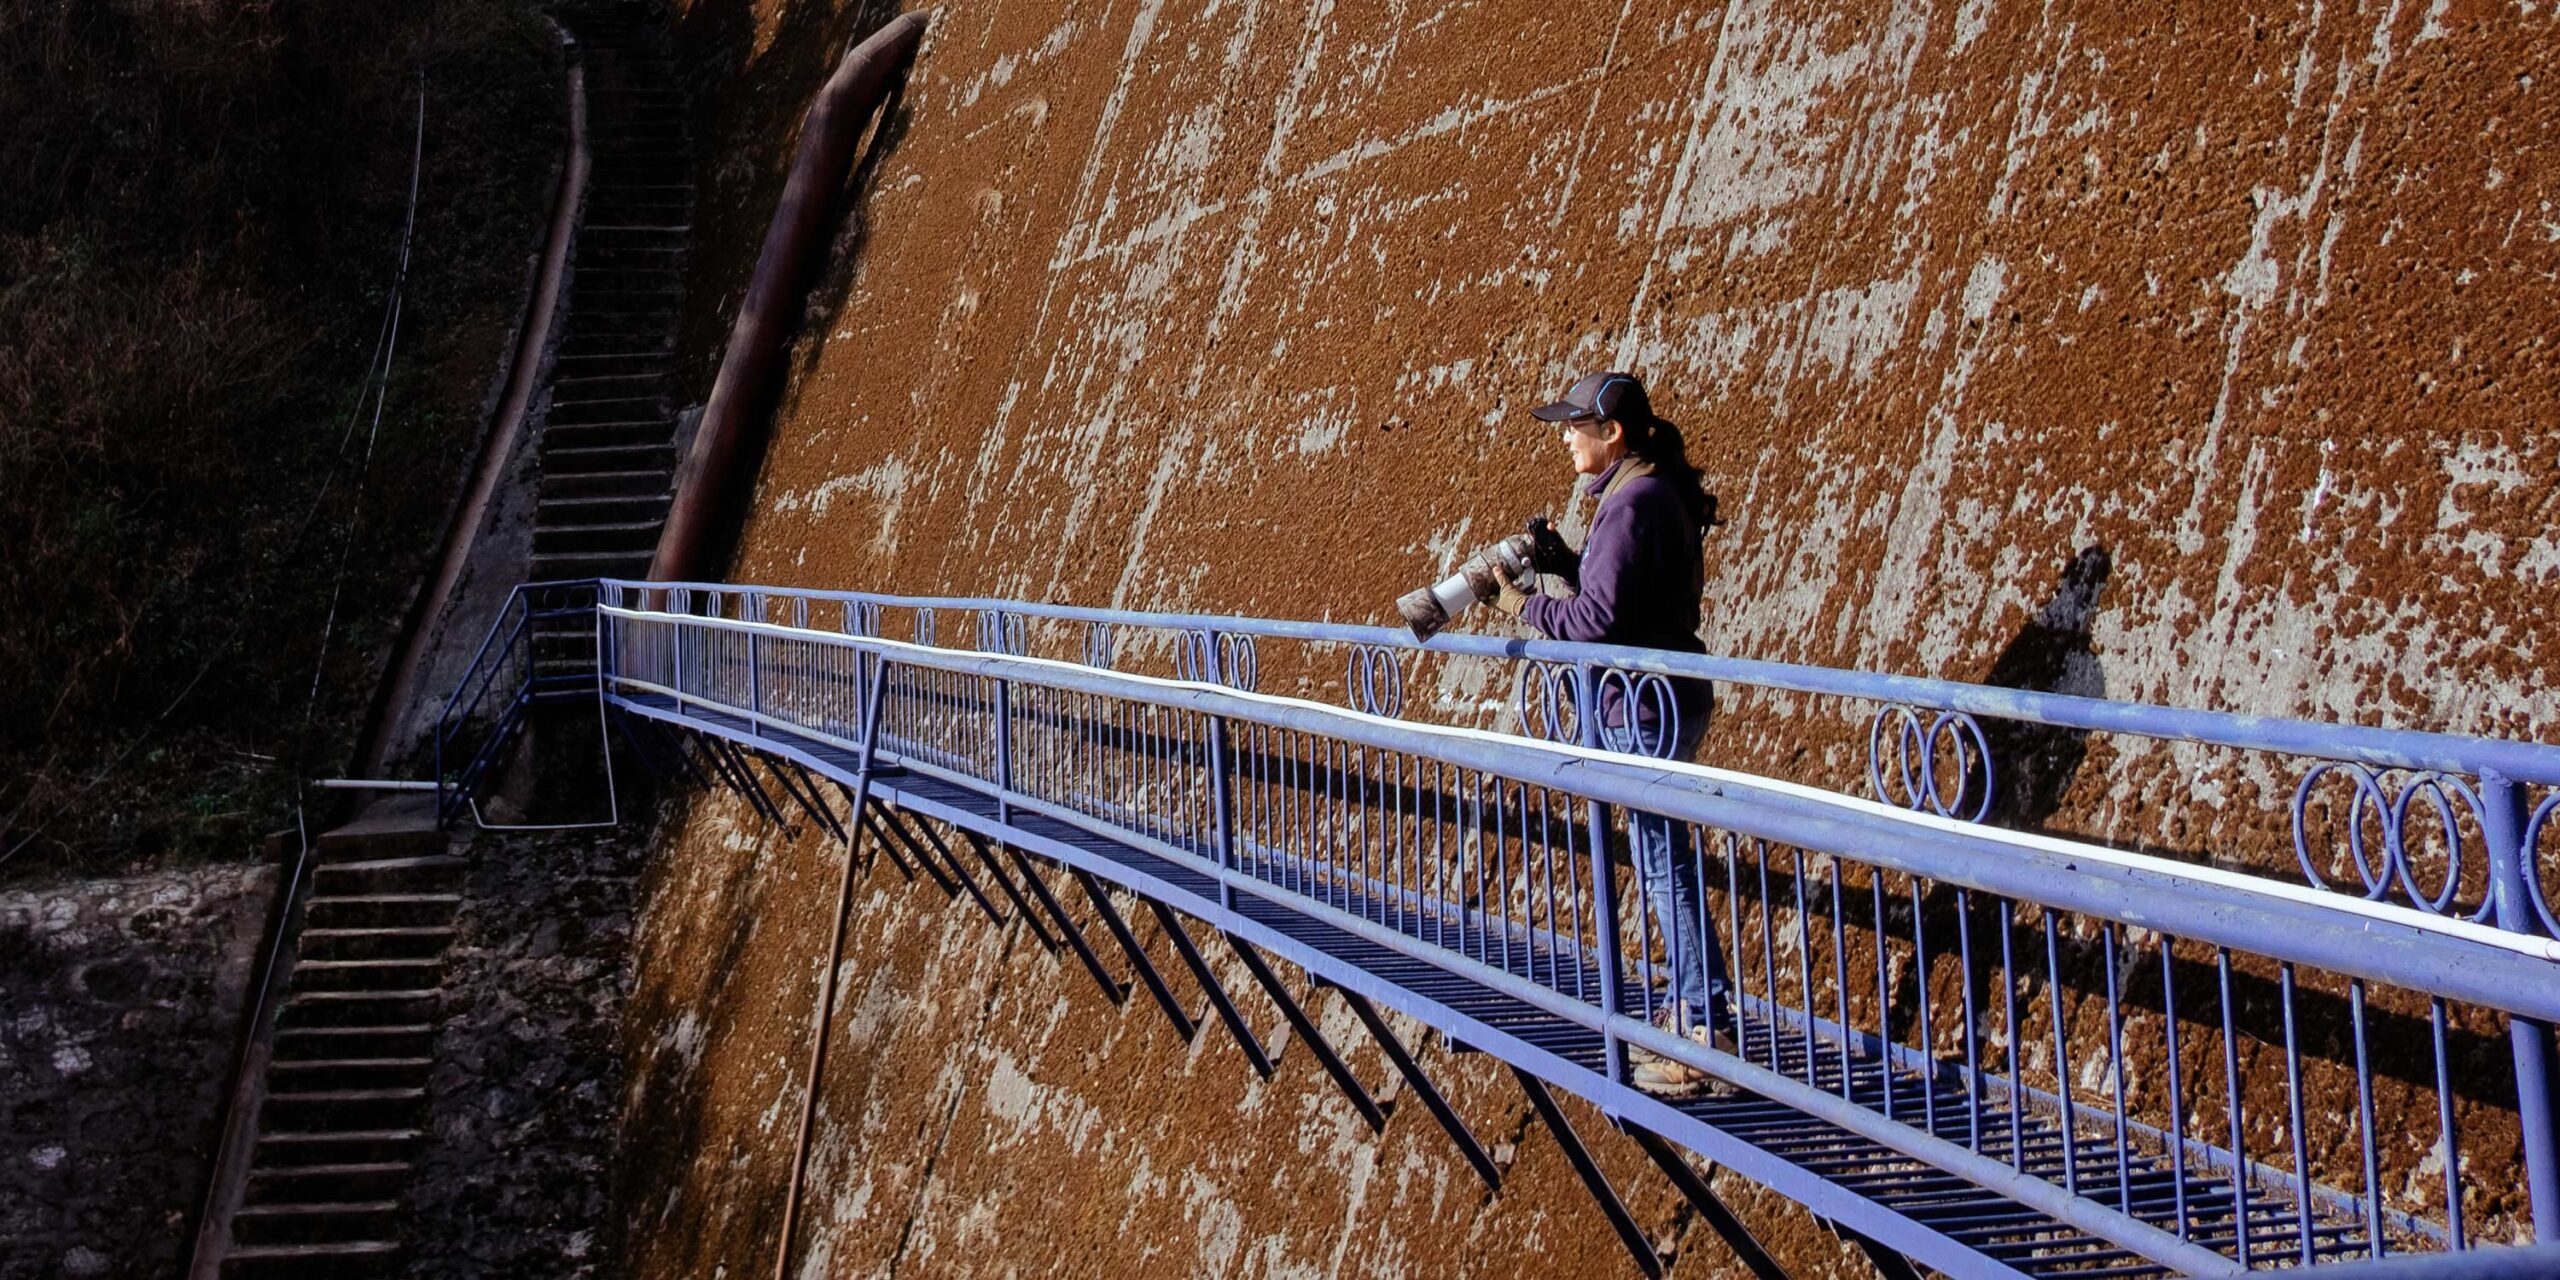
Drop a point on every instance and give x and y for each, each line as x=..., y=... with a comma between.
x=1667, y=875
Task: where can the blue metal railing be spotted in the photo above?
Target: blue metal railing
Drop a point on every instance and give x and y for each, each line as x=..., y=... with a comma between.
x=507, y=677
x=2201, y=1068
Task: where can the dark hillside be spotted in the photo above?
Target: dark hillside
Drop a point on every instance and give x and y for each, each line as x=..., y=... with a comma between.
x=200, y=215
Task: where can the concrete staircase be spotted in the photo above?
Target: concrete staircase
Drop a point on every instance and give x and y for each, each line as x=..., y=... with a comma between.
x=345, y=1108
x=608, y=447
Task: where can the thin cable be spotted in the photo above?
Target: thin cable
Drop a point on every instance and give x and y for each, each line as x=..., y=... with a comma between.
x=380, y=378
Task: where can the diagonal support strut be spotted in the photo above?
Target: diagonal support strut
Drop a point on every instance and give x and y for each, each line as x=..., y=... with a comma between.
x=1217, y=991
x=995, y=871
x=1305, y=1027
x=1448, y=1116
x=1593, y=1180
x=1709, y=1205
x=1113, y=989
x=1183, y=1025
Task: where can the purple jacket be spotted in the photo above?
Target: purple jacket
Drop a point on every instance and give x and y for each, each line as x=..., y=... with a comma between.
x=1640, y=582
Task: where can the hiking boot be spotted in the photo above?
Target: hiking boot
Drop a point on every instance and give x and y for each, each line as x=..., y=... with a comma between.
x=1664, y=1078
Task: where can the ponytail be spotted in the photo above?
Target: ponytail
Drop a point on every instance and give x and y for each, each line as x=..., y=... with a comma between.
x=1657, y=441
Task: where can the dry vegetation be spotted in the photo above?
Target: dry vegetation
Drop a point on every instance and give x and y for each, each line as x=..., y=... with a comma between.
x=199, y=218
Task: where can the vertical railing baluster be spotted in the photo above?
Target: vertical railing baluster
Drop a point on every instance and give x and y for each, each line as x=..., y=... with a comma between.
x=1884, y=993
x=1221, y=815
x=2115, y=1071
x=1604, y=878
x=2502, y=825
x=2177, y=1100
x=2447, y=1135
x=2364, y=1116
x=1840, y=982
x=1920, y=979
x=1804, y=968
x=1768, y=954
x=1972, y=1033
x=2293, y=1100
x=1004, y=751
x=2017, y=1035
x=2231, y=1103
x=2061, y=1056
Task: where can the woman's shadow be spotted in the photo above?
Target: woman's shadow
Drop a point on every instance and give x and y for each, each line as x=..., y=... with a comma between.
x=2033, y=764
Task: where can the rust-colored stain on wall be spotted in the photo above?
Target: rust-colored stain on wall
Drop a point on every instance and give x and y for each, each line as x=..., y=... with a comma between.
x=2215, y=342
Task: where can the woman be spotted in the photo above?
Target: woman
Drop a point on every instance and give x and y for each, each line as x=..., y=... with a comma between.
x=1637, y=581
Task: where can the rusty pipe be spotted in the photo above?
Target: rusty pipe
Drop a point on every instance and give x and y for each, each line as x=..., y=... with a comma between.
x=716, y=479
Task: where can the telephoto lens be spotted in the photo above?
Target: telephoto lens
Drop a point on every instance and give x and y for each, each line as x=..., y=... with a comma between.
x=1479, y=577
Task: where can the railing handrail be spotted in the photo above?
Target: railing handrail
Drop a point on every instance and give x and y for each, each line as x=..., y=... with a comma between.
x=2485, y=966
x=2531, y=762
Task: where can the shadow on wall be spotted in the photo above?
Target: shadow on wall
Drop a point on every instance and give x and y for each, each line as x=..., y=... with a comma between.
x=759, y=90
x=2033, y=763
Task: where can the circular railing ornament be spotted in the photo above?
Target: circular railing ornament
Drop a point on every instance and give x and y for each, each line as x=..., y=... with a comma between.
x=1099, y=644
x=2530, y=859
x=1546, y=699
x=800, y=613
x=1373, y=680
x=861, y=618
x=924, y=626
x=1001, y=632
x=1907, y=754
x=2381, y=869
x=1637, y=693
x=1239, y=661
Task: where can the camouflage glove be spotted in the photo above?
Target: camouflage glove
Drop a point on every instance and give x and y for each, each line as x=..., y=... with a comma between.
x=1512, y=600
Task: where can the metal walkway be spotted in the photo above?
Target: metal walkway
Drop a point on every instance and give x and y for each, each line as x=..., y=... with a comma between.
x=1984, y=1052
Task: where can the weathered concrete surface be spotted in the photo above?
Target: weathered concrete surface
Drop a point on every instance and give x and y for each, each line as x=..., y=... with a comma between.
x=522, y=1105
x=2199, y=358
x=120, y=1008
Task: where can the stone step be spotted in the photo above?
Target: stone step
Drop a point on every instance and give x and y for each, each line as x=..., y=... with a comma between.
x=651, y=383
x=311, y=1223
x=636, y=235
x=377, y=943
x=441, y=873
x=592, y=564
x=358, y=1008
x=318, y=1260
x=647, y=485
x=638, y=535
x=304, y=1075
x=620, y=457
x=402, y=826
x=584, y=346
x=318, y=1109
x=634, y=257
x=619, y=409
x=623, y=363
x=382, y=910
x=367, y=1180
x=602, y=509
x=636, y=210
x=398, y=1040
x=404, y=974
x=606, y=435
x=298, y=1148
x=680, y=189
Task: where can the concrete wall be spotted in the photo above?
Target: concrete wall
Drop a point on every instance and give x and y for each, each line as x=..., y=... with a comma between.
x=2196, y=357
x=120, y=1008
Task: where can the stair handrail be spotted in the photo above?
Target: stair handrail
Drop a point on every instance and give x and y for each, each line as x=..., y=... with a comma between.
x=507, y=646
